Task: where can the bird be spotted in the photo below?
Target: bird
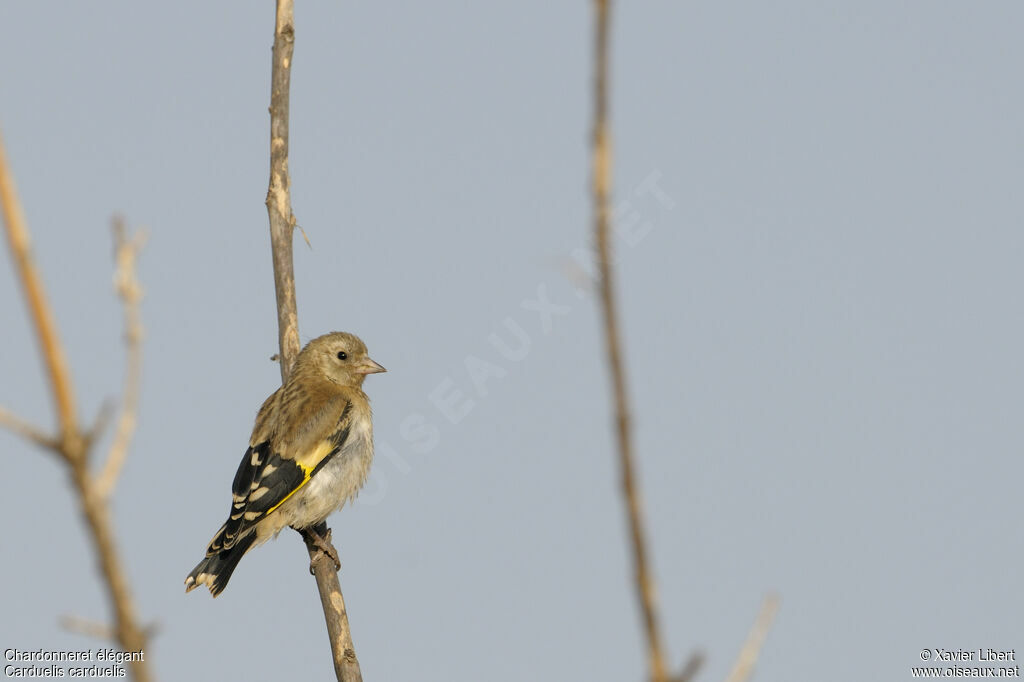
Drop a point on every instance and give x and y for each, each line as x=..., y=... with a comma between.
x=309, y=453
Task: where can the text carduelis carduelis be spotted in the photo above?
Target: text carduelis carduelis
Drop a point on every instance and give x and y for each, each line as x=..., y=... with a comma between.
x=309, y=453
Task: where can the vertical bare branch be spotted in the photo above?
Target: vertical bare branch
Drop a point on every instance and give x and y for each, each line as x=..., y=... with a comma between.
x=130, y=635
x=279, y=200
x=602, y=180
x=745, y=662
x=346, y=665
x=282, y=225
x=126, y=252
x=72, y=443
x=35, y=298
x=644, y=583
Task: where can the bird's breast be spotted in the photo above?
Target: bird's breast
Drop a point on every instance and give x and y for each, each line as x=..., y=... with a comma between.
x=336, y=482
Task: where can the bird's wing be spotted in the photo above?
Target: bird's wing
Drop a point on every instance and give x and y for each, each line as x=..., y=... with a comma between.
x=275, y=468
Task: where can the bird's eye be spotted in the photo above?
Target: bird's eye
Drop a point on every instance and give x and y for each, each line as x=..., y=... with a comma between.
x=342, y=355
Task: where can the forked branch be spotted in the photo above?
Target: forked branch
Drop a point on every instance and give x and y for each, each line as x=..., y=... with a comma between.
x=72, y=443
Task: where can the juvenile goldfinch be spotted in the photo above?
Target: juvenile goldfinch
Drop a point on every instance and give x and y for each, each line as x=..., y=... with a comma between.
x=309, y=453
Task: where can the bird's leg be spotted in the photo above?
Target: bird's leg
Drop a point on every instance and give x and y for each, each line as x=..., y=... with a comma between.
x=320, y=537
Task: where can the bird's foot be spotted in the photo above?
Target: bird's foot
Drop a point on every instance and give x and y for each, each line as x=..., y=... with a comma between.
x=320, y=537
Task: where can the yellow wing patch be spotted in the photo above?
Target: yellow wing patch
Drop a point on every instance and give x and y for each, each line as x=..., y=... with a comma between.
x=308, y=464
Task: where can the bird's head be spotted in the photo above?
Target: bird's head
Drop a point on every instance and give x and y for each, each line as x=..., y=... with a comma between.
x=340, y=357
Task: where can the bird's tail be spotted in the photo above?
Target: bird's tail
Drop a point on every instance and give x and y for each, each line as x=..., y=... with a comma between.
x=215, y=570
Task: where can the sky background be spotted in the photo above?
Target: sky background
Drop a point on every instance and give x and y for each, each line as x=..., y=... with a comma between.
x=821, y=303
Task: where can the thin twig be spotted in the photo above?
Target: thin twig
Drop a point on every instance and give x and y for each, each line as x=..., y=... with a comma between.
x=89, y=628
x=747, y=658
x=35, y=298
x=602, y=218
x=73, y=443
x=28, y=431
x=690, y=668
x=282, y=226
x=126, y=252
x=99, y=424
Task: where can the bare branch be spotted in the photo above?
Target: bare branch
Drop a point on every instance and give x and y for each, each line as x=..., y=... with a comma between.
x=28, y=431
x=99, y=424
x=602, y=165
x=282, y=226
x=129, y=634
x=580, y=279
x=279, y=201
x=346, y=665
x=691, y=667
x=73, y=443
x=126, y=252
x=89, y=628
x=747, y=658
x=35, y=299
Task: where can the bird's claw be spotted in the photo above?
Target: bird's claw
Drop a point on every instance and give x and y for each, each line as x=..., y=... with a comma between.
x=324, y=548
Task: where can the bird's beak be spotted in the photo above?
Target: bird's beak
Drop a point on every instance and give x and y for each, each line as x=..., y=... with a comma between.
x=368, y=366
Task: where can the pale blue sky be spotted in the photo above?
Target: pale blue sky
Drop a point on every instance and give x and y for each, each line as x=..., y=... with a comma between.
x=821, y=309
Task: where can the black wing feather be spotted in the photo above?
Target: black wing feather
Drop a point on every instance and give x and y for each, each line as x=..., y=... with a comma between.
x=249, y=468
x=281, y=477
